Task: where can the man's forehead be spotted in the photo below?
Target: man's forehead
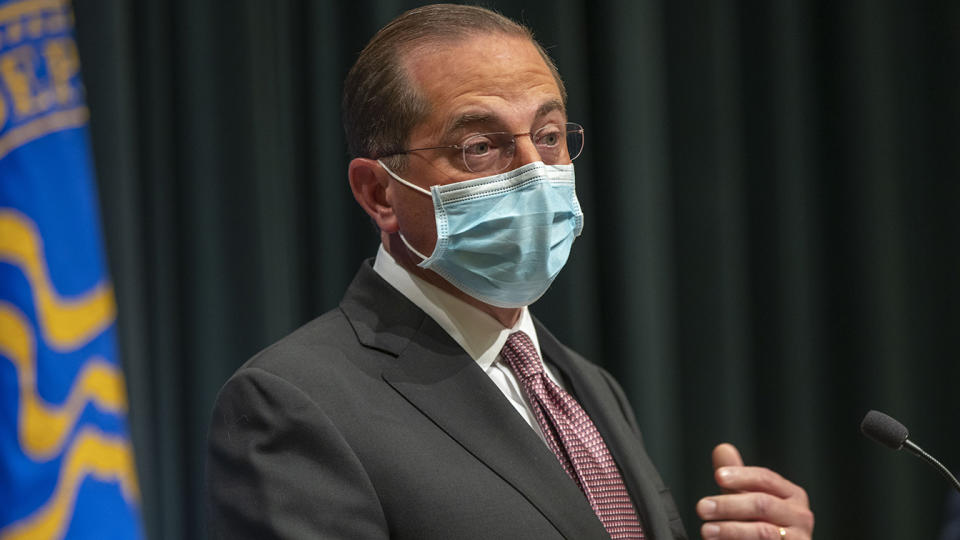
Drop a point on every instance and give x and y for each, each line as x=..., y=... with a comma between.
x=482, y=78
x=482, y=43
x=482, y=60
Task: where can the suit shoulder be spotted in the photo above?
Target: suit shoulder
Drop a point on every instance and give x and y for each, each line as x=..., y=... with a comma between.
x=324, y=348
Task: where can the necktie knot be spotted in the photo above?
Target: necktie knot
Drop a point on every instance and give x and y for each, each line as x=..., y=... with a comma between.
x=521, y=355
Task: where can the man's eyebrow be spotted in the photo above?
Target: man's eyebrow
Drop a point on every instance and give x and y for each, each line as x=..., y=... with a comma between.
x=549, y=107
x=480, y=118
x=469, y=119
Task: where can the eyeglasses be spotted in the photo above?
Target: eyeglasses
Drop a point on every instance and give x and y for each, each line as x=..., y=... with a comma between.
x=558, y=144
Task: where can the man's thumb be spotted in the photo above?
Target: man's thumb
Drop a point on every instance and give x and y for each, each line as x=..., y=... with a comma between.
x=726, y=455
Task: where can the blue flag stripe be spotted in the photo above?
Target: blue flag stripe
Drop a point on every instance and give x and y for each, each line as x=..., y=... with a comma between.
x=65, y=455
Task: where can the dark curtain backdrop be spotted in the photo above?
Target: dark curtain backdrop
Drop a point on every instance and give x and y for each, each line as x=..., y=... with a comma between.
x=771, y=192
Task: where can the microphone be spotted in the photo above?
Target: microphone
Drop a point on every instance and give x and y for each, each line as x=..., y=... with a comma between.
x=892, y=434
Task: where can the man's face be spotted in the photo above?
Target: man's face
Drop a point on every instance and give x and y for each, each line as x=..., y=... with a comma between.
x=486, y=84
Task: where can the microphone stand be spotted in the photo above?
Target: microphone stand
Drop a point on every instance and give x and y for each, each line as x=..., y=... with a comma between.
x=920, y=453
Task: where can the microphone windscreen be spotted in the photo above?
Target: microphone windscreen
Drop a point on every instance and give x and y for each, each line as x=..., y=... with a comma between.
x=884, y=430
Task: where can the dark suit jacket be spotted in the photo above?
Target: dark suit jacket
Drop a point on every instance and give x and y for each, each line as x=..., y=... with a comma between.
x=951, y=521
x=371, y=422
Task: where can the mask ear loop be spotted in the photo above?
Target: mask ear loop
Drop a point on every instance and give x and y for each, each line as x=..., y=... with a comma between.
x=417, y=188
x=411, y=248
x=402, y=181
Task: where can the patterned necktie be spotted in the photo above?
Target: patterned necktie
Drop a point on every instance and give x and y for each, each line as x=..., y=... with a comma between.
x=574, y=440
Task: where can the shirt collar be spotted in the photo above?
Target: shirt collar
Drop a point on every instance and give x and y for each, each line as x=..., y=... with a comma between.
x=480, y=335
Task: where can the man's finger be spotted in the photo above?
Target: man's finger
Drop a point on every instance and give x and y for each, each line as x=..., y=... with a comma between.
x=726, y=455
x=755, y=507
x=732, y=530
x=741, y=479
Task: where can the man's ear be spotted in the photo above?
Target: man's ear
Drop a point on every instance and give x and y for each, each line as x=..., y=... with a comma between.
x=368, y=181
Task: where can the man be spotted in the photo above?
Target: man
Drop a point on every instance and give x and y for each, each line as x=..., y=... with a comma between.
x=430, y=404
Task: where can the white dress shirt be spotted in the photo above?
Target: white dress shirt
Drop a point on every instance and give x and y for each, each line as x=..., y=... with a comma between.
x=480, y=335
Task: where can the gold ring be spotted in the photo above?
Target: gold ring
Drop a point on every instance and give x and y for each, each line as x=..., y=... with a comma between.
x=783, y=532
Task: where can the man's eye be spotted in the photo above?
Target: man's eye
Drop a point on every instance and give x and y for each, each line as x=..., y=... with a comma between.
x=477, y=148
x=549, y=139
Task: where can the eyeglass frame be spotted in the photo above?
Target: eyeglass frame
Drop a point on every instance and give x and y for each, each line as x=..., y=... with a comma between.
x=463, y=148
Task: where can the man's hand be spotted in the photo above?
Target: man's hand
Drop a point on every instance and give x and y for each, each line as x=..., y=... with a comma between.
x=758, y=503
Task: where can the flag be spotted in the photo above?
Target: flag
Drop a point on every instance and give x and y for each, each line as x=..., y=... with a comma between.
x=66, y=462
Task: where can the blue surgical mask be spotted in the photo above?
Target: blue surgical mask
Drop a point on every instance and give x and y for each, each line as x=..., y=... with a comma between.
x=503, y=239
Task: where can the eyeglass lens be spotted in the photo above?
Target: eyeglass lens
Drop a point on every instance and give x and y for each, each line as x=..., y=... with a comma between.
x=557, y=144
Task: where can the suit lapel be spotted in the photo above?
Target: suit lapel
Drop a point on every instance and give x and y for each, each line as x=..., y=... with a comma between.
x=597, y=398
x=437, y=377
